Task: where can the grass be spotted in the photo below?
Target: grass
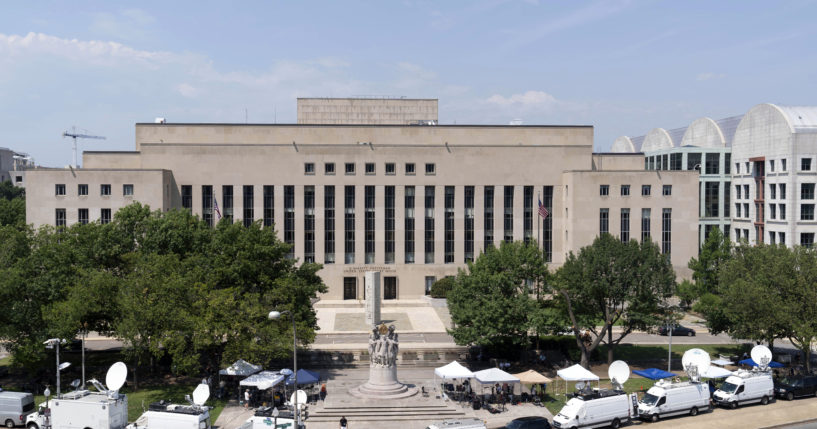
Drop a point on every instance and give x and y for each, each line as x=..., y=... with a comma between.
x=6, y=361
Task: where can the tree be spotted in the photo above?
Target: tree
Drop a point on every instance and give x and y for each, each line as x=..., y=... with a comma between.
x=12, y=205
x=491, y=301
x=716, y=251
x=609, y=283
x=441, y=287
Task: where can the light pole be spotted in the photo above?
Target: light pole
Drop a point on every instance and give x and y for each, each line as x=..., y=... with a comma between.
x=50, y=344
x=275, y=315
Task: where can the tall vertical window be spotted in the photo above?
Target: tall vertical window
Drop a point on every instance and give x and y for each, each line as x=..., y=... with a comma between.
x=349, y=224
x=807, y=191
x=782, y=188
x=713, y=163
x=508, y=215
x=727, y=164
x=449, y=224
x=675, y=161
x=390, y=287
x=727, y=198
x=82, y=216
x=309, y=224
x=429, y=225
x=666, y=231
x=368, y=205
x=207, y=204
x=289, y=218
x=389, y=218
x=604, y=221
x=187, y=197
x=430, y=282
x=409, y=202
x=249, y=202
x=772, y=191
x=350, y=288
x=269, y=205
x=227, y=199
x=807, y=239
x=711, y=198
x=105, y=216
x=469, y=224
x=528, y=214
x=489, y=216
x=693, y=161
x=547, y=223
x=625, y=225
x=645, y=225
x=329, y=224
x=59, y=219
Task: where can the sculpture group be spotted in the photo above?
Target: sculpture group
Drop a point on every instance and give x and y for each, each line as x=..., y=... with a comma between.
x=383, y=346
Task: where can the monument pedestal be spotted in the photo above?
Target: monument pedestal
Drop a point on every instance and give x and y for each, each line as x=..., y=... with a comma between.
x=383, y=384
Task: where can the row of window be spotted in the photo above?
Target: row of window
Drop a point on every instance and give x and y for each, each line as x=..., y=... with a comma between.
x=646, y=214
x=370, y=168
x=774, y=237
x=674, y=162
x=82, y=189
x=646, y=190
x=82, y=217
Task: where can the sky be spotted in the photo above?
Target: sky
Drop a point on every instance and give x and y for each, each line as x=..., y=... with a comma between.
x=624, y=67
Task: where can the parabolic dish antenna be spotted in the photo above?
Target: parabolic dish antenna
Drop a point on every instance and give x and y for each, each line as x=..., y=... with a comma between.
x=697, y=359
x=762, y=356
x=201, y=394
x=619, y=373
x=116, y=376
x=64, y=365
x=579, y=385
x=301, y=398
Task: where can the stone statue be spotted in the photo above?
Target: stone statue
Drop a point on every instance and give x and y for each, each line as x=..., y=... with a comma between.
x=384, y=346
x=373, y=337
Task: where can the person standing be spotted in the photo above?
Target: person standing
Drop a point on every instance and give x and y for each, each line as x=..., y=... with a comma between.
x=246, y=398
x=343, y=423
x=323, y=391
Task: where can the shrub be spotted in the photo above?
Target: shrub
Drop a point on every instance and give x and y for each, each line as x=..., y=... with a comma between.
x=441, y=287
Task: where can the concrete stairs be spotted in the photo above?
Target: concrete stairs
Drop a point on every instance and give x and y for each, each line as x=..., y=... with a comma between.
x=386, y=413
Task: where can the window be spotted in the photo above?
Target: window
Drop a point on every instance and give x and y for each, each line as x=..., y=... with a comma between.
x=309, y=168
x=666, y=231
x=807, y=239
x=713, y=163
x=105, y=216
x=389, y=231
x=329, y=168
x=207, y=204
x=449, y=225
x=771, y=168
x=410, y=168
x=389, y=287
x=727, y=199
x=711, y=199
x=127, y=190
x=727, y=163
x=329, y=224
x=746, y=191
x=60, y=218
x=82, y=216
x=665, y=162
x=693, y=161
x=772, y=211
x=625, y=190
x=59, y=189
x=547, y=223
x=309, y=224
x=781, y=237
x=227, y=199
x=783, y=166
x=249, y=202
x=806, y=211
x=269, y=205
x=772, y=236
x=805, y=164
x=772, y=191
x=488, y=210
x=430, y=282
x=390, y=170
x=18, y=179
x=666, y=190
x=469, y=224
x=645, y=225
x=409, y=202
x=289, y=218
x=187, y=197
x=737, y=192
x=675, y=161
x=646, y=190
x=604, y=221
x=745, y=210
x=430, y=169
x=370, y=169
x=604, y=190
x=807, y=191
x=747, y=171
x=82, y=190
x=737, y=168
x=429, y=224
x=350, y=288
x=369, y=224
x=349, y=224
x=625, y=225
x=782, y=188
x=350, y=168
x=527, y=221
x=508, y=215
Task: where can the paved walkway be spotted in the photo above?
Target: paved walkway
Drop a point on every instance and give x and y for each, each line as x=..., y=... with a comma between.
x=408, y=316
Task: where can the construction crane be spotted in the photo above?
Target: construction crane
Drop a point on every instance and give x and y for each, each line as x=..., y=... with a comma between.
x=74, y=135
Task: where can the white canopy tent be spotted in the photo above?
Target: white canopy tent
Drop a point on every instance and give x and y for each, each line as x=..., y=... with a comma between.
x=263, y=380
x=576, y=373
x=722, y=362
x=716, y=372
x=494, y=375
x=240, y=368
x=453, y=370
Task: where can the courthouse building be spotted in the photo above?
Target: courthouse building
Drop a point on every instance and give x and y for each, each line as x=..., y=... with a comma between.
x=377, y=184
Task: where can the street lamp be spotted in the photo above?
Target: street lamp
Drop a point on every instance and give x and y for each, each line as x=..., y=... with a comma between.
x=275, y=315
x=50, y=344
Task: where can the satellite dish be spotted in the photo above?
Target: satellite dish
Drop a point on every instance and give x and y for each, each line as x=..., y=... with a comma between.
x=301, y=398
x=762, y=356
x=695, y=363
x=286, y=372
x=64, y=365
x=201, y=394
x=619, y=373
x=580, y=385
x=117, y=374
x=75, y=384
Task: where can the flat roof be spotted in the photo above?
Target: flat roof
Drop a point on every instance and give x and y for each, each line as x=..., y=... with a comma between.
x=211, y=124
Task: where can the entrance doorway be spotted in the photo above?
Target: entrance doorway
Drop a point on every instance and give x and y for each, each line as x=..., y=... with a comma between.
x=390, y=288
x=350, y=288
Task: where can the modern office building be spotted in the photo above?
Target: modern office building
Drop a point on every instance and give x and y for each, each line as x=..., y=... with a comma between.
x=13, y=165
x=415, y=202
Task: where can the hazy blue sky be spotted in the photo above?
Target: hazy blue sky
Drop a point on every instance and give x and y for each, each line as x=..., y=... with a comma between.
x=623, y=66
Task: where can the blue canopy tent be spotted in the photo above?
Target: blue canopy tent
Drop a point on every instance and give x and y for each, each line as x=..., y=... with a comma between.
x=653, y=373
x=750, y=362
x=304, y=377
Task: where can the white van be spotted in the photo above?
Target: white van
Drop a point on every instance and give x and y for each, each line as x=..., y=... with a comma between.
x=15, y=407
x=597, y=409
x=744, y=388
x=82, y=409
x=163, y=415
x=666, y=399
x=464, y=423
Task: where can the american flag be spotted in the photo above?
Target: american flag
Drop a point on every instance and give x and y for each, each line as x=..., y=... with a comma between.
x=542, y=210
x=218, y=212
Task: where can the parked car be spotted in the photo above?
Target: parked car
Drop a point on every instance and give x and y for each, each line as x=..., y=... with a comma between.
x=531, y=422
x=677, y=330
x=791, y=387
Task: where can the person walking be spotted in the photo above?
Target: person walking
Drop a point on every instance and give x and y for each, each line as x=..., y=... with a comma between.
x=343, y=423
x=323, y=391
x=246, y=398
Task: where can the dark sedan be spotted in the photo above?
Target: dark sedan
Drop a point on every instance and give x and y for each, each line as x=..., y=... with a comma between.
x=532, y=422
x=793, y=386
x=677, y=330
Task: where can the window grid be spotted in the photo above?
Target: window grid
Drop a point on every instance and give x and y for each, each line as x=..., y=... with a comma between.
x=289, y=218
x=105, y=216
x=645, y=225
x=127, y=190
x=59, y=218
x=488, y=211
x=349, y=224
x=389, y=218
x=508, y=215
x=59, y=189
x=369, y=223
x=528, y=214
x=625, y=190
x=82, y=189
x=711, y=198
x=187, y=197
x=604, y=221
x=248, y=193
x=449, y=224
x=429, y=224
x=547, y=234
x=469, y=224
x=409, y=201
x=646, y=190
x=329, y=224
x=269, y=205
x=625, y=225
x=309, y=224
x=604, y=190
x=82, y=216
x=207, y=204
x=105, y=190
x=666, y=231
x=227, y=199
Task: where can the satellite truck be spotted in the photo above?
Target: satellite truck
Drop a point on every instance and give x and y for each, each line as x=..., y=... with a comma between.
x=164, y=415
x=271, y=418
x=592, y=408
x=667, y=399
x=104, y=409
x=745, y=387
